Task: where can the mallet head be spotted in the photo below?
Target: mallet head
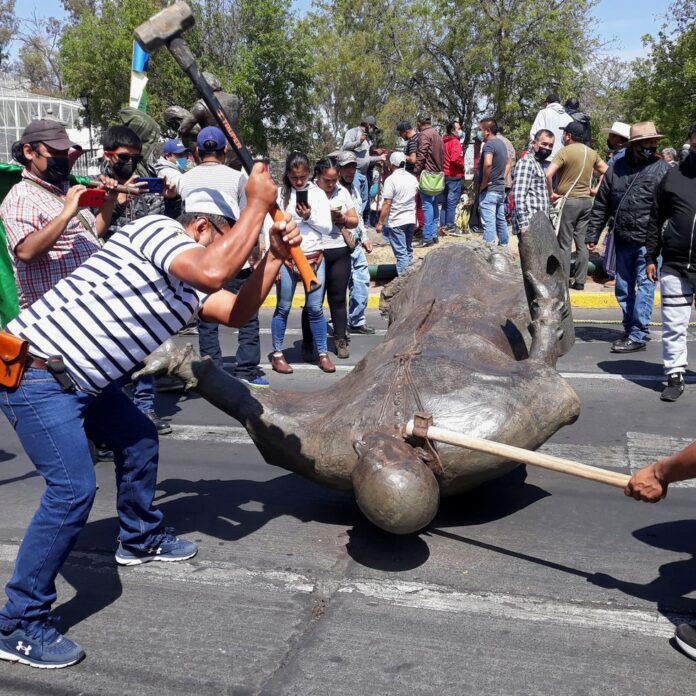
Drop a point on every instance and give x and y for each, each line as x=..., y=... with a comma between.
x=164, y=26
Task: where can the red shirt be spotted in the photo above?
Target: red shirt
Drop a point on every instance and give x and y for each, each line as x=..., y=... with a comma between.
x=454, y=157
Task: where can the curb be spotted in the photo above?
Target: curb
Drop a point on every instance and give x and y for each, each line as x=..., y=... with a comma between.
x=578, y=300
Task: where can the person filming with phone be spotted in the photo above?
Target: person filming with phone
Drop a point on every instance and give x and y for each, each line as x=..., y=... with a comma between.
x=49, y=232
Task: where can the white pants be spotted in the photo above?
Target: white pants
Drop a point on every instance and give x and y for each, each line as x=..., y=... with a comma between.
x=677, y=299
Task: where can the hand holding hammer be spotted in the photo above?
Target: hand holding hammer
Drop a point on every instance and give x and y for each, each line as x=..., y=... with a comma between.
x=165, y=29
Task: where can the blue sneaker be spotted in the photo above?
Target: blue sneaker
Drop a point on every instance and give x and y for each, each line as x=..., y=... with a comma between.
x=258, y=382
x=39, y=645
x=170, y=548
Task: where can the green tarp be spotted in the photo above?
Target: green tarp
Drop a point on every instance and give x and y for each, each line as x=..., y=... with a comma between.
x=10, y=174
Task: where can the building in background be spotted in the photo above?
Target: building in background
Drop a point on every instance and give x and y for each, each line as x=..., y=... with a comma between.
x=19, y=106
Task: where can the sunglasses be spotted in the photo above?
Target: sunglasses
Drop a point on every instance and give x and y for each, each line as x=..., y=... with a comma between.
x=125, y=158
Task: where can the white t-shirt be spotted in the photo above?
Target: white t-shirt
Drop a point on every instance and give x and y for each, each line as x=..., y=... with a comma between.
x=219, y=177
x=401, y=188
x=341, y=200
x=319, y=223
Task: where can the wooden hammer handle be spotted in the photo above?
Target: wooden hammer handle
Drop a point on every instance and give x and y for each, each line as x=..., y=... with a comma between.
x=517, y=454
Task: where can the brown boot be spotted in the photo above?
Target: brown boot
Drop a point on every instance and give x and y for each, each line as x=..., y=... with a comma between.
x=342, y=348
x=280, y=364
x=325, y=364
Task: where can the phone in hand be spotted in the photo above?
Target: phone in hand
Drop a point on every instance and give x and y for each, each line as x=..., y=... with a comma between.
x=92, y=198
x=301, y=197
x=154, y=183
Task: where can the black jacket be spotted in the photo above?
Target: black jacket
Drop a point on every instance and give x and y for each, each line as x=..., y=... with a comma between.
x=675, y=204
x=626, y=194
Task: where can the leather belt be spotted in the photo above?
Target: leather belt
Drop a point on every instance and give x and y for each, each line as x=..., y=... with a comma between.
x=36, y=363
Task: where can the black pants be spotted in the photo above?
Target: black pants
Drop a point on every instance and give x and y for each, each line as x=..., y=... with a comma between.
x=248, y=344
x=338, y=269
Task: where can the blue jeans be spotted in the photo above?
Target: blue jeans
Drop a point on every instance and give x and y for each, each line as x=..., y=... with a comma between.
x=492, y=214
x=144, y=393
x=634, y=292
x=360, y=183
x=248, y=354
x=53, y=427
x=450, y=200
x=401, y=239
x=430, y=213
x=285, y=290
x=358, y=287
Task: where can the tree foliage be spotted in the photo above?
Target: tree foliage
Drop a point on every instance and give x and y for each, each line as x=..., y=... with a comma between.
x=664, y=87
x=449, y=58
x=251, y=45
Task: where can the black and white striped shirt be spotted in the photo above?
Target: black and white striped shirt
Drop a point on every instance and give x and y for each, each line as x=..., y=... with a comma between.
x=117, y=307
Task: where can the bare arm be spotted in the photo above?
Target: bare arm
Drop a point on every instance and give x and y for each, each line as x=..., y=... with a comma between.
x=349, y=219
x=486, y=173
x=384, y=214
x=550, y=173
x=650, y=483
x=38, y=243
x=208, y=268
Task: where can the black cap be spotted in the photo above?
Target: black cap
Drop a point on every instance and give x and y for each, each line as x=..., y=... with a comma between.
x=576, y=129
x=553, y=99
x=49, y=133
x=403, y=126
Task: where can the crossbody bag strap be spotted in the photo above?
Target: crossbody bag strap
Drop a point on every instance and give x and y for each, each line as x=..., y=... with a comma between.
x=79, y=214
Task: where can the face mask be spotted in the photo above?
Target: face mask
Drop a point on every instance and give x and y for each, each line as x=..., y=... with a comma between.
x=543, y=153
x=479, y=135
x=57, y=170
x=181, y=162
x=647, y=152
x=123, y=170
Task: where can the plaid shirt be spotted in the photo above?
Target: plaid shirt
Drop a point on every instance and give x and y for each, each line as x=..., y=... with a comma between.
x=28, y=208
x=530, y=193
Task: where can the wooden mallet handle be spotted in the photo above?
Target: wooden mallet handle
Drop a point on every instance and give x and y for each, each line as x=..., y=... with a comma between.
x=517, y=454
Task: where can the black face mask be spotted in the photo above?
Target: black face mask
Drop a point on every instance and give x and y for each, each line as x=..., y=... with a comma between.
x=123, y=170
x=57, y=170
x=647, y=152
x=543, y=153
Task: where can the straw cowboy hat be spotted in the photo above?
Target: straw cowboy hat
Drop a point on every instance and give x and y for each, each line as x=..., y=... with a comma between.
x=623, y=130
x=644, y=130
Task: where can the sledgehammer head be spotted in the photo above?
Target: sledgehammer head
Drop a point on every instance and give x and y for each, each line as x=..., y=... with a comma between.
x=164, y=26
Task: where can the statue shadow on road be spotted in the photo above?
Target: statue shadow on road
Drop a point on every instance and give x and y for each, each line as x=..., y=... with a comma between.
x=231, y=510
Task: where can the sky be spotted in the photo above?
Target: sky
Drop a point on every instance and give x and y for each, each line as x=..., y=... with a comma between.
x=622, y=23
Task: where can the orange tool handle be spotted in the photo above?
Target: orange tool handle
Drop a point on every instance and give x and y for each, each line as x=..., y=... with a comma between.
x=309, y=278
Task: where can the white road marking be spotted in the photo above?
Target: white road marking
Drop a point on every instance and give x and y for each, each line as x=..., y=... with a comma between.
x=646, y=448
x=210, y=433
x=413, y=595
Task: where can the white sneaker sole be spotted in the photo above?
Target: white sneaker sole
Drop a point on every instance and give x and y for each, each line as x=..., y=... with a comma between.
x=12, y=657
x=691, y=652
x=150, y=559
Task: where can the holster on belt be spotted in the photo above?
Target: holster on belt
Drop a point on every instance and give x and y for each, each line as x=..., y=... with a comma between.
x=14, y=353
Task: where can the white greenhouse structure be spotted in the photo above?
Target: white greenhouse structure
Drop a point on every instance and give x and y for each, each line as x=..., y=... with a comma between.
x=19, y=106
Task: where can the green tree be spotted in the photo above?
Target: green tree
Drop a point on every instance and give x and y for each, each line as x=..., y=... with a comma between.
x=664, y=87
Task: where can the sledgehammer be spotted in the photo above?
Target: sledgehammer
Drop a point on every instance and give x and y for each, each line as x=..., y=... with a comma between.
x=165, y=29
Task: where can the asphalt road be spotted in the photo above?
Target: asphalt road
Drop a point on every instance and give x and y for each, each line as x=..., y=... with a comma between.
x=557, y=586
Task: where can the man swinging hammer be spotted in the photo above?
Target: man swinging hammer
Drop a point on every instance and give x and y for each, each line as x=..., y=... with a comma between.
x=94, y=326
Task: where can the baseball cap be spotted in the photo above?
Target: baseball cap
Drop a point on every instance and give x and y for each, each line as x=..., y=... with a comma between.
x=576, y=129
x=370, y=121
x=346, y=157
x=211, y=134
x=49, y=133
x=209, y=201
x=173, y=147
x=403, y=126
x=397, y=159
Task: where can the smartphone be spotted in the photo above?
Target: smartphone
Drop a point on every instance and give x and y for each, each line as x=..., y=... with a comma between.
x=154, y=183
x=301, y=197
x=91, y=198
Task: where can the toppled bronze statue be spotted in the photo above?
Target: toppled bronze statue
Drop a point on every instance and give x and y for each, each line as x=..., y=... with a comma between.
x=468, y=341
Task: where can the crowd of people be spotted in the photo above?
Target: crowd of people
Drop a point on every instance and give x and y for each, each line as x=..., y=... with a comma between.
x=188, y=244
